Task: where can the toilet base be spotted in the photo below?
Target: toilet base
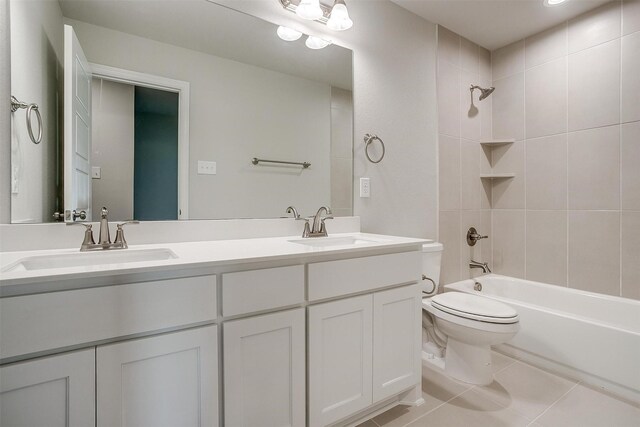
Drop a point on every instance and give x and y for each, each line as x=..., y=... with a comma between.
x=468, y=363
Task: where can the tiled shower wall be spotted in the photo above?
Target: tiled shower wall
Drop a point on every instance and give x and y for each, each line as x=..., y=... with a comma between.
x=570, y=97
x=463, y=200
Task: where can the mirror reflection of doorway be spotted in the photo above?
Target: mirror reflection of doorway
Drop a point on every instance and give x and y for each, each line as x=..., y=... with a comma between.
x=135, y=151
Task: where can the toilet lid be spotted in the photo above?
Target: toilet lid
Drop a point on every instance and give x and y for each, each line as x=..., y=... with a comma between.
x=475, y=307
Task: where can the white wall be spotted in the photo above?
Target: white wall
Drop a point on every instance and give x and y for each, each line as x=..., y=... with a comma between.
x=112, y=147
x=237, y=112
x=37, y=47
x=570, y=98
x=394, y=65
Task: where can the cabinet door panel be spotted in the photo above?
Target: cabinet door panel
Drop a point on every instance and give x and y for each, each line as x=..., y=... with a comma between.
x=49, y=392
x=340, y=359
x=264, y=370
x=397, y=323
x=167, y=380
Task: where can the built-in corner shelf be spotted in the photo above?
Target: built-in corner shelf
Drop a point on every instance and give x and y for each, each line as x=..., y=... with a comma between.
x=491, y=144
x=497, y=175
x=497, y=142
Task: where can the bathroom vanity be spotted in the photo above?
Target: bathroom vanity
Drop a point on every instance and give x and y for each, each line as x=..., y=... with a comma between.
x=251, y=332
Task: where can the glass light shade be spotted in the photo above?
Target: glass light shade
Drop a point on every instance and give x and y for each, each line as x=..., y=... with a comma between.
x=339, y=19
x=288, y=34
x=309, y=9
x=316, y=42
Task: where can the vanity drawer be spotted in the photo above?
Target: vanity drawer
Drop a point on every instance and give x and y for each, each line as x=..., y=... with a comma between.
x=41, y=322
x=256, y=290
x=335, y=278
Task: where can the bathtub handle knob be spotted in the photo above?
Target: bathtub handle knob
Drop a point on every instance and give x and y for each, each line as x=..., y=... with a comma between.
x=473, y=236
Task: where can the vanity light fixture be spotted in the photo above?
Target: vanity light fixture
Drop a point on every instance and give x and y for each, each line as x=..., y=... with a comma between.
x=288, y=34
x=551, y=3
x=314, y=42
x=335, y=17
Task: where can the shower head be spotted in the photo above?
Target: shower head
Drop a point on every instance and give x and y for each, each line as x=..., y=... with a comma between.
x=484, y=93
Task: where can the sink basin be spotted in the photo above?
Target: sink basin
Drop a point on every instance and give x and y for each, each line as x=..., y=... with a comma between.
x=90, y=259
x=325, y=242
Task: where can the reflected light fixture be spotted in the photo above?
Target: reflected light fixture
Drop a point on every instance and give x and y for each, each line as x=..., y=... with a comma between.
x=339, y=19
x=288, y=34
x=313, y=42
x=309, y=9
x=335, y=16
x=554, y=2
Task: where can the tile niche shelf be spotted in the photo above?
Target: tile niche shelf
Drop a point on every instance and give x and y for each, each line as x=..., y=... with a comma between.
x=494, y=143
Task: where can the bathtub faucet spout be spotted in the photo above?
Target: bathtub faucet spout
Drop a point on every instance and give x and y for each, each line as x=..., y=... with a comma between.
x=483, y=265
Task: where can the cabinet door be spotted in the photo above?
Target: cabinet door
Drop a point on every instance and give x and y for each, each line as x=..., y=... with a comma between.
x=48, y=392
x=397, y=323
x=166, y=380
x=264, y=370
x=340, y=359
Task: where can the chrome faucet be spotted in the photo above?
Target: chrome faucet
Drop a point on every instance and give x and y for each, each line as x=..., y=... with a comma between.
x=483, y=265
x=89, y=244
x=307, y=231
x=319, y=229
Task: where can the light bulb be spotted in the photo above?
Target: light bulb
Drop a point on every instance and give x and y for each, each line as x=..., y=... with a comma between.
x=313, y=42
x=309, y=9
x=339, y=19
x=288, y=34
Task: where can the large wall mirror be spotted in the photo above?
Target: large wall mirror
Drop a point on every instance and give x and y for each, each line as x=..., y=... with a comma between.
x=157, y=109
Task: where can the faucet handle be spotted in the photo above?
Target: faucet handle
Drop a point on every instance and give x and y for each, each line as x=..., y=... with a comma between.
x=88, y=233
x=120, y=240
x=473, y=236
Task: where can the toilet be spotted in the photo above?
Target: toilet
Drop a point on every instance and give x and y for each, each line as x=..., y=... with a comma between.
x=460, y=328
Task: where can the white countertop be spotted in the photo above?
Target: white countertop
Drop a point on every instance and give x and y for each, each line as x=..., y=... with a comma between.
x=192, y=255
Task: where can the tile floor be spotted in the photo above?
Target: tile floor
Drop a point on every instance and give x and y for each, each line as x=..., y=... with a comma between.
x=521, y=395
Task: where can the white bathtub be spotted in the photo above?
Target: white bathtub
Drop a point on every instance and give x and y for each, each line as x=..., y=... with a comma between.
x=590, y=337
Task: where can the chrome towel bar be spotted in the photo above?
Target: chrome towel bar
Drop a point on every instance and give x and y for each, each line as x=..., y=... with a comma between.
x=16, y=105
x=368, y=139
x=304, y=165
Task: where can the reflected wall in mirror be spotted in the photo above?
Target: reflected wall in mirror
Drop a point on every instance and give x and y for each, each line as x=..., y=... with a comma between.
x=182, y=95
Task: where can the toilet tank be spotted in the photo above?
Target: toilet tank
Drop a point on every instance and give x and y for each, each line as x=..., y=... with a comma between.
x=431, y=258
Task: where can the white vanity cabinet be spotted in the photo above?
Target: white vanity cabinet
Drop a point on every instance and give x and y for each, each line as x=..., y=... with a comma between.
x=164, y=380
x=362, y=350
x=397, y=340
x=264, y=370
x=51, y=391
x=340, y=359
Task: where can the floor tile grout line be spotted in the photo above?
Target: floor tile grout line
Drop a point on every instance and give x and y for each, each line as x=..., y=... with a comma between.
x=439, y=406
x=554, y=403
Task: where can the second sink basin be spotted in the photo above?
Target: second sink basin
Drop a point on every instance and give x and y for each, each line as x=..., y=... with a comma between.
x=324, y=242
x=88, y=259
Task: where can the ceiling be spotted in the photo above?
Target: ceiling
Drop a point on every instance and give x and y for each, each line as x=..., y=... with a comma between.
x=496, y=23
x=217, y=30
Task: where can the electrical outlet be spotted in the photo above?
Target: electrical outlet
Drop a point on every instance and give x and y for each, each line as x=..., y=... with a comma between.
x=365, y=187
x=206, y=168
x=96, y=172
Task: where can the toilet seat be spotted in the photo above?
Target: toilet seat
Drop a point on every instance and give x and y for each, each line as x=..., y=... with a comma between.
x=474, y=307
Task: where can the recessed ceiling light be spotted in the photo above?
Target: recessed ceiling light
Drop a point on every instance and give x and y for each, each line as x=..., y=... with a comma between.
x=554, y=2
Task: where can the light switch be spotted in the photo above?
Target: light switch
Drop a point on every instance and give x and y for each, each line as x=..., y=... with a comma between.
x=96, y=172
x=206, y=168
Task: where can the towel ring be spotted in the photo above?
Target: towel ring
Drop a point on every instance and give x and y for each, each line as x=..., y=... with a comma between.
x=368, y=139
x=15, y=105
